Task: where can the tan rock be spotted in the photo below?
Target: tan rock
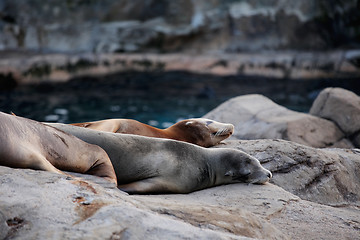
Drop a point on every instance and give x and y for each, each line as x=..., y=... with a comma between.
x=257, y=117
x=340, y=106
x=43, y=205
x=326, y=176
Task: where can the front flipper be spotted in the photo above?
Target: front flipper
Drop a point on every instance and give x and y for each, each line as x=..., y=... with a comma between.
x=148, y=186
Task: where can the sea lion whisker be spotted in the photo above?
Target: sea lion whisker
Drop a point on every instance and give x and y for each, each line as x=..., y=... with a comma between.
x=221, y=132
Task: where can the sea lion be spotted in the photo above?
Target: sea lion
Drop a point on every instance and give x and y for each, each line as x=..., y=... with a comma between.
x=199, y=131
x=25, y=143
x=153, y=165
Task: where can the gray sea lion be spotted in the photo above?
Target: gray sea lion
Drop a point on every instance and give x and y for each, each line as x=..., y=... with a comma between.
x=151, y=165
x=25, y=143
x=199, y=131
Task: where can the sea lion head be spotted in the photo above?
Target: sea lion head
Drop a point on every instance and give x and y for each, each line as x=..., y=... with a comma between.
x=241, y=167
x=205, y=132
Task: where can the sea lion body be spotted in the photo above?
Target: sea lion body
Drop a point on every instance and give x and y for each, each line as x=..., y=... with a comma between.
x=25, y=143
x=151, y=165
x=199, y=131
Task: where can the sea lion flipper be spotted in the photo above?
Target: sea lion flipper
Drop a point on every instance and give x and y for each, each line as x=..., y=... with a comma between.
x=105, y=170
x=105, y=126
x=84, y=125
x=149, y=185
x=39, y=162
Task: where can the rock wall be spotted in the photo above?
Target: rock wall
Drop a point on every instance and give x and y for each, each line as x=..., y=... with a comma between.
x=184, y=25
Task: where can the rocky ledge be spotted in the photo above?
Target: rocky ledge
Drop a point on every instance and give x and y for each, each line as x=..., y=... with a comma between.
x=27, y=67
x=43, y=205
x=314, y=192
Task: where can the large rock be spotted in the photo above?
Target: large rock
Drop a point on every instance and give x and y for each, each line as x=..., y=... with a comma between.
x=326, y=176
x=43, y=205
x=340, y=106
x=257, y=117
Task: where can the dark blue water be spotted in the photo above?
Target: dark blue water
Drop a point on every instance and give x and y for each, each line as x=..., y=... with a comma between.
x=156, y=98
x=156, y=112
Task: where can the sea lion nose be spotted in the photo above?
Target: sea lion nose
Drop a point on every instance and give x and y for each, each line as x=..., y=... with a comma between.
x=231, y=127
x=269, y=174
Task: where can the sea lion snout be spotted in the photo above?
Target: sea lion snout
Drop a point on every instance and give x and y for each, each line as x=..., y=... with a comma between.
x=260, y=177
x=247, y=169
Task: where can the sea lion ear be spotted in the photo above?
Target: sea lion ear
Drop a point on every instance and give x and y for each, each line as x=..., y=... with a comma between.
x=229, y=173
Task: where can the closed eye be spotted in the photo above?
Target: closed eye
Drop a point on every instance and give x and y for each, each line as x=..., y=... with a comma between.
x=208, y=123
x=241, y=178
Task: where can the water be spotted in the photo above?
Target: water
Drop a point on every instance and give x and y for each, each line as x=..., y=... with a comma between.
x=156, y=112
x=156, y=98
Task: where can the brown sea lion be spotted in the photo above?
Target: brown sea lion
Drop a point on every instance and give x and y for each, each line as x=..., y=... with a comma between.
x=153, y=165
x=199, y=131
x=25, y=143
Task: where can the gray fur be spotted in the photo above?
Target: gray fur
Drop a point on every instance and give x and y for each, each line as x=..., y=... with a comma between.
x=153, y=165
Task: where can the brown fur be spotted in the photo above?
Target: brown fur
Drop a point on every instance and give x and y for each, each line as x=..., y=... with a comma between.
x=25, y=143
x=198, y=131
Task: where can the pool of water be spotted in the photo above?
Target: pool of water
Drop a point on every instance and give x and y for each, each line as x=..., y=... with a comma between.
x=156, y=98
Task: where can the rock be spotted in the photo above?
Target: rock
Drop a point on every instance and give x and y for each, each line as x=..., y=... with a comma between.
x=23, y=67
x=257, y=117
x=340, y=106
x=356, y=140
x=291, y=215
x=134, y=25
x=3, y=225
x=326, y=176
x=43, y=205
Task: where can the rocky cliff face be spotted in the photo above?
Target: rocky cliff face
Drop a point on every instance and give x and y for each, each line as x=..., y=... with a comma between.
x=134, y=25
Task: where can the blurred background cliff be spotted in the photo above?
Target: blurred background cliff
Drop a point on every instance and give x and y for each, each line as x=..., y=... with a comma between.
x=181, y=25
x=128, y=56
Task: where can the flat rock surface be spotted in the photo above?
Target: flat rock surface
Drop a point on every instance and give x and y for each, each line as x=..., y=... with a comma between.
x=43, y=205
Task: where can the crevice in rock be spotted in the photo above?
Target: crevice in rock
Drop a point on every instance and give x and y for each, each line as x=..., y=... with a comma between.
x=325, y=173
x=286, y=168
x=14, y=224
x=119, y=235
x=347, y=195
x=352, y=137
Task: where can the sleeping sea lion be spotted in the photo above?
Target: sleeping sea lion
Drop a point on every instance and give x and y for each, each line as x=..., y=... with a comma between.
x=25, y=143
x=153, y=165
x=199, y=131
